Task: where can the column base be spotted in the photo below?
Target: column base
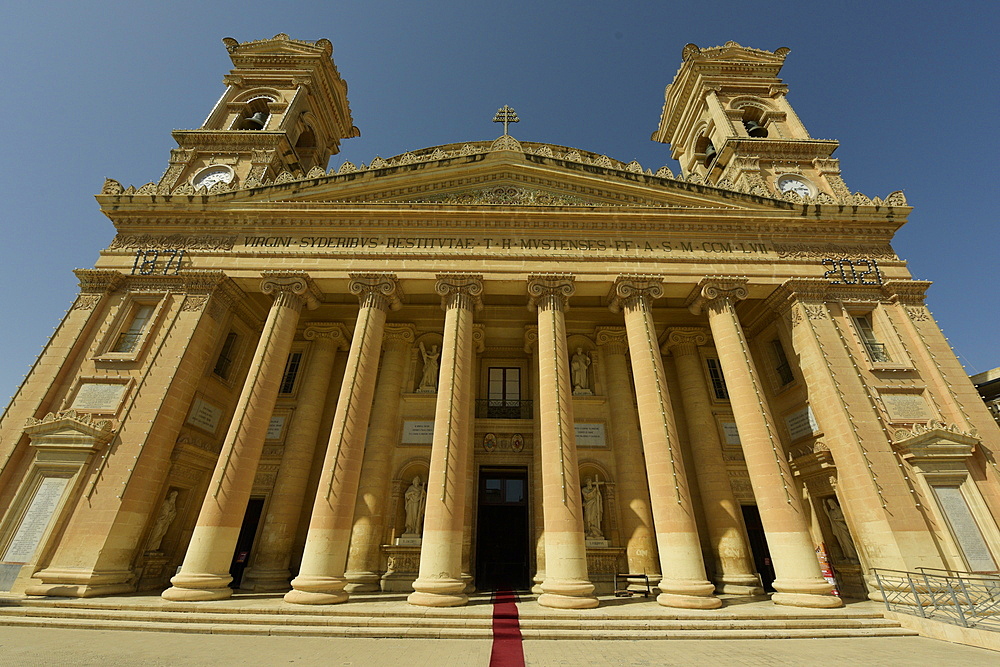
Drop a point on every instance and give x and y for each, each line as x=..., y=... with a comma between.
x=438, y=593
x=265, y=581
x=738, y=584
x=687, y=594
x=79, y=583
x=317, y=590
x=362, y=582
x=567, y=594
x=815, y=593
x=198, y=588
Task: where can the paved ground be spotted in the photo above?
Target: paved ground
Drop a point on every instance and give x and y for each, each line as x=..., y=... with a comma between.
x=47, y=646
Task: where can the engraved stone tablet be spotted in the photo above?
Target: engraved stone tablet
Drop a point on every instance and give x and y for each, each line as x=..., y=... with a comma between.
x=590, y=435
x=204, y=415
x=730, y=432
x=418, y=432
x=99, y=396
x=905, y=406
x=801, y=423
x=275, y=427
x=964, y=527
x=35, y=520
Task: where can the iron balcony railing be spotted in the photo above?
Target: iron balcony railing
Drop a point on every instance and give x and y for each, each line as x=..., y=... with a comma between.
x=877, y=352
x=495, y=408
x=968, y=599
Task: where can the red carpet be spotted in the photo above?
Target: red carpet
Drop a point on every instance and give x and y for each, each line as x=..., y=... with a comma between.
x=507, y=651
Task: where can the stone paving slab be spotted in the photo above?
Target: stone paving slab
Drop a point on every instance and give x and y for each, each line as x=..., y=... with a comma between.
x=98, y=648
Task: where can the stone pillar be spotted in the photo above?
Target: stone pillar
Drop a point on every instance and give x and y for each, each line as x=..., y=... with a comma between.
x=684, y=583
x=632, y=482
x=734, y=564
x=376, y=470
x=567, y=584
x=321, y=576
x=799, y=581
x=205, y=572
x=536, y=504
x=440, y=582
x=274, y=550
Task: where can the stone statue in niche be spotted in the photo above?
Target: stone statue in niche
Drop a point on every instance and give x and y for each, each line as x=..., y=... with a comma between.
x=165, y=517
x=429, y=378
x=415, y=501
x=593, y=509
x=838, y=523
x=580, y=373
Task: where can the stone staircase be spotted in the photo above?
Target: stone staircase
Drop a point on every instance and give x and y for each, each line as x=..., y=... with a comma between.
x=395, y=618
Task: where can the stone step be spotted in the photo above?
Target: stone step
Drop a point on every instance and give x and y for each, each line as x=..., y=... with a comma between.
x=446, y=632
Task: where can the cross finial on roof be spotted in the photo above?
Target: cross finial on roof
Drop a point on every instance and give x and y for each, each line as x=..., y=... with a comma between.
x=506, y=115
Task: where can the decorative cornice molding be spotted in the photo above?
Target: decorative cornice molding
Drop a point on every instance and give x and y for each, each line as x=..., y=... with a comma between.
x=70, y=420
x=99, y=281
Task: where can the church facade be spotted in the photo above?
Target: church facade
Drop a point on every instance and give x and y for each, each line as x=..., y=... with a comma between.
x=496, y=364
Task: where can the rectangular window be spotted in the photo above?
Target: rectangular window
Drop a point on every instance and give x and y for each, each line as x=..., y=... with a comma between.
x=503, y=394
x=876, y=350
x=291, y=372
x=225, y=361
x=130, y=337
x=718, y=381
x=781, y=365
x=505, y=384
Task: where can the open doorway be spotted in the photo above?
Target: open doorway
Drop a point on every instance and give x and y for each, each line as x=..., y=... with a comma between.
x=502, y=529
x=244, y=543
x=758, y=546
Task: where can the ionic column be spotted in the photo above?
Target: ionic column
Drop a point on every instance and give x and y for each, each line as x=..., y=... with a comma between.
x=536, y=504
x=684, y=583
x=205, y=572
x=799, y=581
x=632, y=486
x=440, y=582
x=274, y=550
x=734, y=564
x=567, y=584
x=321, y=575
x=376, y=470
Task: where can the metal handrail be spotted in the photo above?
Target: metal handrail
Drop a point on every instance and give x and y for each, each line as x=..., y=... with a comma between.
x=503, y=408
x=968, y=599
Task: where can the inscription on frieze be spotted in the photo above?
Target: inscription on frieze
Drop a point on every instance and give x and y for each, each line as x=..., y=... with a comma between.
x=98, y=396
x=32, y=528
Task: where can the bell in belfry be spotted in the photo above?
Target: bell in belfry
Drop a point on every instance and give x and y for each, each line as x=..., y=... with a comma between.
x=755, y=129
x=254, y=122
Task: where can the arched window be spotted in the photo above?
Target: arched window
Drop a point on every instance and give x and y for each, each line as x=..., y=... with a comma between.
x=706, y=149
x=254, y=115
x=754, y=122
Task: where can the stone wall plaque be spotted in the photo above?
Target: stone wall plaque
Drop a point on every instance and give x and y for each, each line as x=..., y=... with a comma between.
x=590, y=435
x=204, y=415
x=418, y=432
x=99, y=396
x=275, y=427
x=905, y=407
x=963, y=526
x=801, y=423
x=730, y=433
x=36, y=520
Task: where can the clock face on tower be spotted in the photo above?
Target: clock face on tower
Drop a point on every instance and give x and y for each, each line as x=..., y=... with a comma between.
x=796, y=184
x=209, y=176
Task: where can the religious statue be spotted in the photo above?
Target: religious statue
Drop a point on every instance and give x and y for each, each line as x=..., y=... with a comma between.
x=166, y=516
x=428, y=381
x=416, y=499
x=593, y=509
x=579, y=365
x=838, y=523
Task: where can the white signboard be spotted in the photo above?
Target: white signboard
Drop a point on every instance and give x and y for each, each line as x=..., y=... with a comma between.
x=35, y=520
x=590, y=435
x=731, y=434
x=204, y=415
x=418, y=432
x=801, y=423
x=275, y=427
x=967, y=533
x=99, y=396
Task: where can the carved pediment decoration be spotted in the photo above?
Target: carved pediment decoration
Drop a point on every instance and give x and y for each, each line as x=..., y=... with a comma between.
x=69, y=428
x=510, y=196
x=934, y=441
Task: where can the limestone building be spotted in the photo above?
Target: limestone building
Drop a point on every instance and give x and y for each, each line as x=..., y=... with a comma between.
x=493, y=364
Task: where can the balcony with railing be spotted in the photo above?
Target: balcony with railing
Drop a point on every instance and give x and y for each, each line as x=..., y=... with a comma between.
x=877, y=352
x=503, y=408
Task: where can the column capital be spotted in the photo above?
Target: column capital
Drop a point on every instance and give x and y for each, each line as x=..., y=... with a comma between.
x=479, y=338
x=285, y=284
x=334, y=331
x=376, y=290
x=399, y=334
x=684, y=340
x=100, y=281
x=550, y=291
x=531, y=338
x=715, y=288
x=459, y=291
x=612, y=339
x=629, y=289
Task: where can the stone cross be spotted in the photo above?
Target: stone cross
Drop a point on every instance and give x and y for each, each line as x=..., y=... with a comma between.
x=506, y=115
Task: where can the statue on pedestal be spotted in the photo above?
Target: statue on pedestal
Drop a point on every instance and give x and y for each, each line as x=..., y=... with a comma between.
x=593, y=509
x=429, y=378
x=166, y=516
x=579, y=365
x=838, y=523
x=416, y=500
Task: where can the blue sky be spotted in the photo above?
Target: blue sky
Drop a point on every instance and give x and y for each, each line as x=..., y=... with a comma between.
x=93, y=89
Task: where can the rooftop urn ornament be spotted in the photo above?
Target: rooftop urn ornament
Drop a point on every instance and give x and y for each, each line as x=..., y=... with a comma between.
x=506, y=115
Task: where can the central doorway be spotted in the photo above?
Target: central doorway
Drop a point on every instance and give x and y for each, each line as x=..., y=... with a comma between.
x=502, y=529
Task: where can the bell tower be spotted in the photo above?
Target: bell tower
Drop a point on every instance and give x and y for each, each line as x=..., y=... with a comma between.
x=729, y=124
x=284, y=109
